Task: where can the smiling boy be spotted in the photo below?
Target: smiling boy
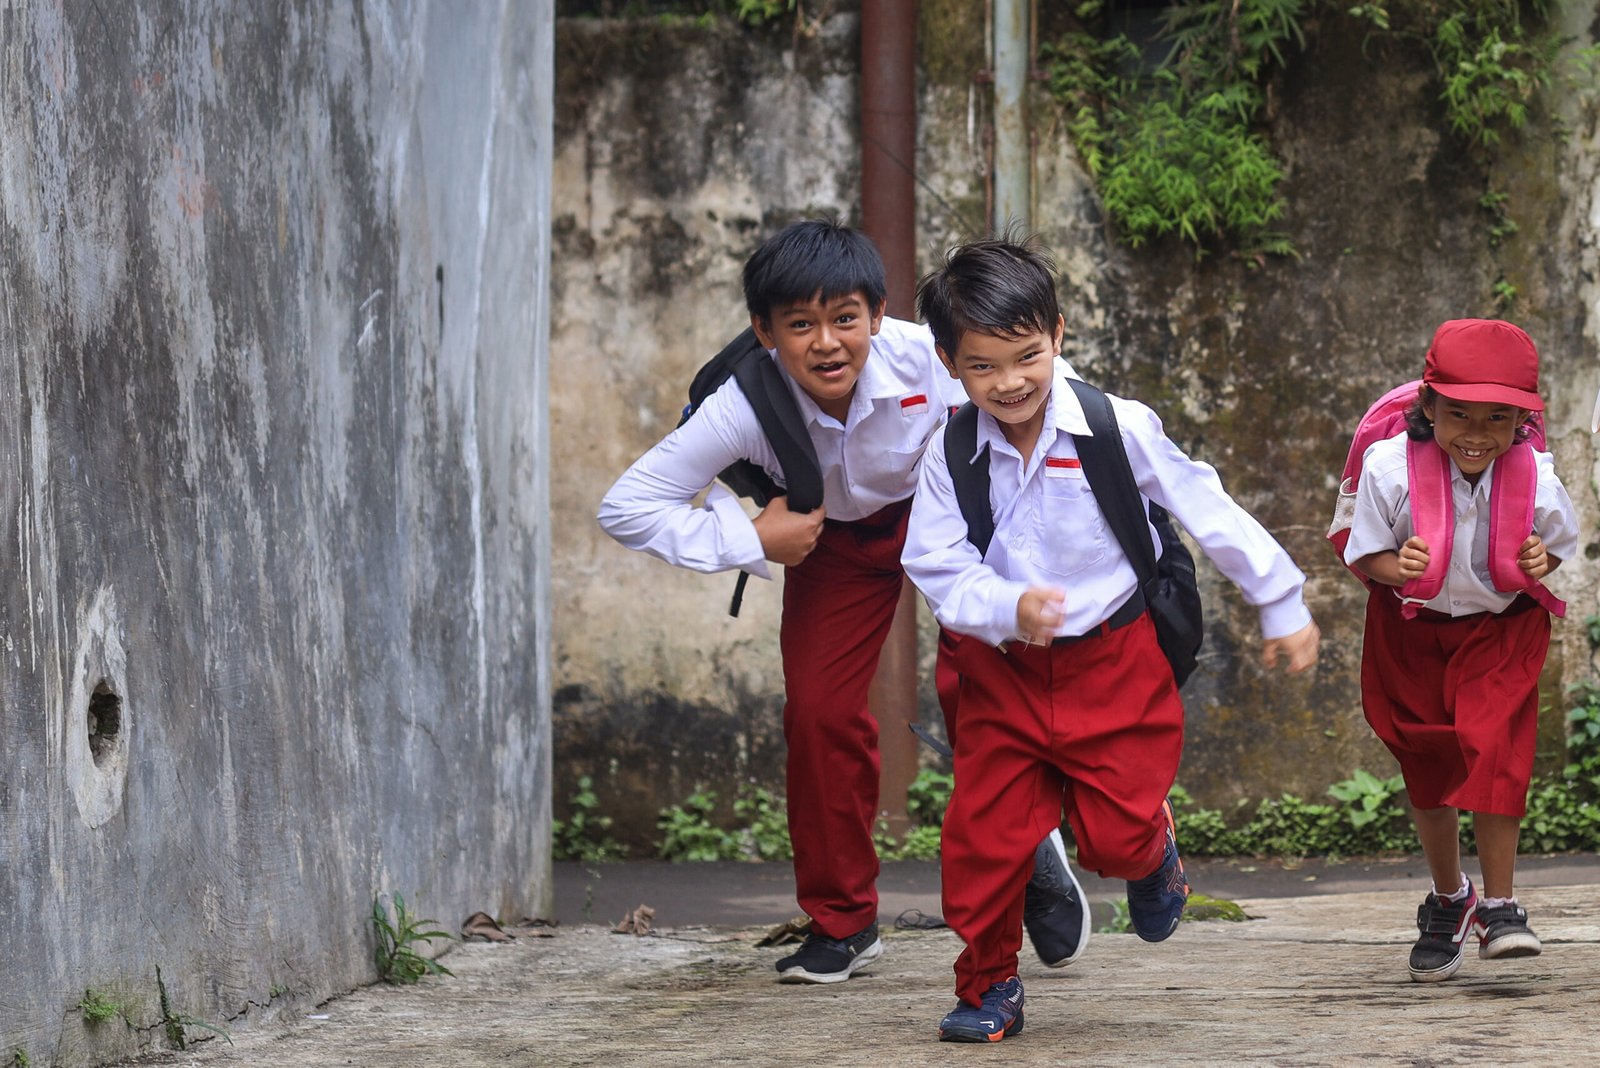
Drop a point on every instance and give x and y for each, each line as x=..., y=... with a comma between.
x=871, y=392
x=1067, y=702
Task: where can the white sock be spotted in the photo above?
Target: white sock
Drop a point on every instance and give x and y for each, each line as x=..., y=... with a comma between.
x=1496, y=902
x=1459, y=895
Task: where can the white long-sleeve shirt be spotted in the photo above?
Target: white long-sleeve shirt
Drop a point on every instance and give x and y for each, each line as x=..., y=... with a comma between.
x=868, y=462
x=1050, y=530
x=1383, y=522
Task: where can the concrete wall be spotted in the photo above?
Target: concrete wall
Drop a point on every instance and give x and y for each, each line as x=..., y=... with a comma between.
x=274, y=613
x=679, y=147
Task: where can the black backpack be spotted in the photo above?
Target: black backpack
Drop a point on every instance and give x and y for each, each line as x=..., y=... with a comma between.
x=1169, y=585
x=745, y=361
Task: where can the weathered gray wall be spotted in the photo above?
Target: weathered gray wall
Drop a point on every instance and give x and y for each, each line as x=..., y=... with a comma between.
x=273, y=323
x=678, y=148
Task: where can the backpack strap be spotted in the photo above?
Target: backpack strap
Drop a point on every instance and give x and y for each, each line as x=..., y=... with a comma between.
x=969, y=474
x=1511, y=513
x=763, y=385
x=1511, y=510
x=779, y=418
x=1116, y=491
x=1433, y=519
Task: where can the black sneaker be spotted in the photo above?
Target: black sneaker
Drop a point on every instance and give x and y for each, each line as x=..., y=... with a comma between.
x=1054, y=910
x=1503, y=932
x=1444, y=926
x=830, y=960
x=999, y=1016
x=1155, y=903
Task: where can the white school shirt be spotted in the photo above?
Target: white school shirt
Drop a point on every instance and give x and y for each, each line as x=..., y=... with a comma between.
x=1050, y=531
x=868, y=462
x=1383, y=522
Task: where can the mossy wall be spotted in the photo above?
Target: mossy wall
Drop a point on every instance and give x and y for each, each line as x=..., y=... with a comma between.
x=669, y=172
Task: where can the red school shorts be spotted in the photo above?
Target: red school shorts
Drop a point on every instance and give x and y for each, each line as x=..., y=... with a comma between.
x=1456, y=700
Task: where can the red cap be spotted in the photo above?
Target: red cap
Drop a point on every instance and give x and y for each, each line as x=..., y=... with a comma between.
x=1484, y=360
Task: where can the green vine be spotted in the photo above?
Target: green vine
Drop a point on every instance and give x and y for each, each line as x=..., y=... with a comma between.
x=1179, y=150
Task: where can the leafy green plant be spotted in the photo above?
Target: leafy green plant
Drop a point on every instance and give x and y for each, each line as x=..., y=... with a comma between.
x=1367, y=797
x=928, y=796
x=1591, y=627
x=761, y=12
x=397, y=942
x=584, y=834
x=688, y=833
x=1119, y=923
x=689, y=830
x=765, y=831
x=19, y=1059
x=97, y=1007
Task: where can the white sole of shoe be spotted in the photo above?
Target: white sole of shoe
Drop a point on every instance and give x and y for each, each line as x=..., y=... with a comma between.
x=862, y=959
x=1438, y=975
x=1520, y=944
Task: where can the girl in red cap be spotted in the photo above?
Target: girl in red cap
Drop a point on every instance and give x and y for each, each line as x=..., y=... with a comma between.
x=1456, y=521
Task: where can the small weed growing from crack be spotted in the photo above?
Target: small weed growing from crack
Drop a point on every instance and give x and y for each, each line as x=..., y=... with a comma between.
x=19, y=1059
x=396, y=956
x=97, y=1008
x=174, y=1024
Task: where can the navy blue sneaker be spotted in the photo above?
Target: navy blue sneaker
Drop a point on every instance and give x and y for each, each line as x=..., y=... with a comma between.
x=1443, y=926
x=830, y=960
x=999, y=1016
x=1054, y=911
x=1155, y=903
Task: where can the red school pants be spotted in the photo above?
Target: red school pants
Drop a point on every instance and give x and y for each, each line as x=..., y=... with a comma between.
x=837, y=607
x=1456, y=700
x=1093, y=727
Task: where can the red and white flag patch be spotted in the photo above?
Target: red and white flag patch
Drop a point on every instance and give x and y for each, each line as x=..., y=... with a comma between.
x=914, y=404
x=1063, y=467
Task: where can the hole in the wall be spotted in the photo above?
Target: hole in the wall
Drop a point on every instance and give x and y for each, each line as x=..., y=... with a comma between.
x=104, y=723
x=438, y=278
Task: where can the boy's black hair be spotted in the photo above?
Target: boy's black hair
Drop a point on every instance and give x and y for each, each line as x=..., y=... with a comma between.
x=1002, y=286
x=1420, y=428
x=814, y=257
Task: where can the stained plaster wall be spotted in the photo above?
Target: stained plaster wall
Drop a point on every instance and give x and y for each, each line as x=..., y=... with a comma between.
x=678, y=148
x=273, y=326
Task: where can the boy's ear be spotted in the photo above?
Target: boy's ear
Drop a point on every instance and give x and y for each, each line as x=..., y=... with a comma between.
x=1060, y=333
x=763, y=331
x=949, y=364
x=877, y=316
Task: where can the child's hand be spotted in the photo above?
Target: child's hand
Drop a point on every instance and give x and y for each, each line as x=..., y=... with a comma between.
x=1039, y=612
x=787, y=537
x=1300, y=647
x=1533, y=559
x=1413, y=559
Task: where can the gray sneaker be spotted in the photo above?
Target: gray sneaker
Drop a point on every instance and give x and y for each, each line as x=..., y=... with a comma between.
x=1054, y=910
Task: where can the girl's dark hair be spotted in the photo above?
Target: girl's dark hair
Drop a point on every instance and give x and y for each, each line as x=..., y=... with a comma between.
x=1002, y=286
x=1420, y=428
x=811, y=258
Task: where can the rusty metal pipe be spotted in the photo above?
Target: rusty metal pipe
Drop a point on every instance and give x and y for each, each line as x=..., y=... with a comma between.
x=889, y=142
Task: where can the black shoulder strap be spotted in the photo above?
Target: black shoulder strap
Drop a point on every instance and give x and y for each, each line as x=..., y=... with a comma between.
x=780, y=420
x=969, y=474
x=1105, y=465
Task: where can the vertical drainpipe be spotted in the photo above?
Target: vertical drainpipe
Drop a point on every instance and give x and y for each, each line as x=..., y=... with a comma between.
x=889, y=217
x=889, y=142
x=1013, y=159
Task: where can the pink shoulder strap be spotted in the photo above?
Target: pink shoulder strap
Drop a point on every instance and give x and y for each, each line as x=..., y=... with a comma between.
x=1432, y=519
x=1511, y=503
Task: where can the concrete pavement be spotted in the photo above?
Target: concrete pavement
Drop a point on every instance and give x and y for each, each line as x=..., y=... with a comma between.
x=1308, y=980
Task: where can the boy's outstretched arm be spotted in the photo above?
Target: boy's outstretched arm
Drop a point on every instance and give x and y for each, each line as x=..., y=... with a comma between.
x=1300, y=647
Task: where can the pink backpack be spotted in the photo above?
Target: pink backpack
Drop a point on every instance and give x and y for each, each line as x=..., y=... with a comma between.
x=1511, y=500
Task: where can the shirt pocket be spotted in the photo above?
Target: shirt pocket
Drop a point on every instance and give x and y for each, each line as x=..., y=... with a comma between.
x=1073, y=530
